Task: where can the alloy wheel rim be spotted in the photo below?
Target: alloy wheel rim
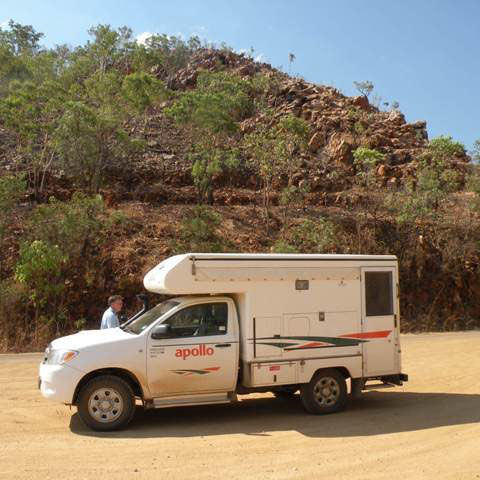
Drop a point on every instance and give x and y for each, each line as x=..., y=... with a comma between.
x=326, y=392
x=105, y=405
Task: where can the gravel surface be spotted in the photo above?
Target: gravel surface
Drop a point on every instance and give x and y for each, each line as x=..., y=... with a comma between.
x=428, y=428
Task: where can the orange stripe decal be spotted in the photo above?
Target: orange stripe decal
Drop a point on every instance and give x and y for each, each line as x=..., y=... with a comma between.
x=378, y=334
x=314, y=344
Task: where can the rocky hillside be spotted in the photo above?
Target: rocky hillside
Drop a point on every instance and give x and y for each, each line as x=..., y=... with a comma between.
x=173, y=147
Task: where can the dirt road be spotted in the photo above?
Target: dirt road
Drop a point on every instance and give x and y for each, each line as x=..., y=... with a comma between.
x=429, y=428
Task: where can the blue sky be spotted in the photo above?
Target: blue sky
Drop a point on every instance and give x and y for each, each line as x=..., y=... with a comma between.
x=423, y=54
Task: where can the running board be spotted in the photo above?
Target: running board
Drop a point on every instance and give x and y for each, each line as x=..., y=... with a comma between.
x=188, y=400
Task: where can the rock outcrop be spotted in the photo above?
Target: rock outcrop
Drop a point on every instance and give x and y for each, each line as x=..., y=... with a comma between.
x=339, y=124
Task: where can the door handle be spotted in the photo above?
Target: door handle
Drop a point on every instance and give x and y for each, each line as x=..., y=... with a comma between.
x=223, y=345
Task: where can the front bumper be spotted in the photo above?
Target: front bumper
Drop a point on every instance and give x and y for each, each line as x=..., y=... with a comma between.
x=58, y=382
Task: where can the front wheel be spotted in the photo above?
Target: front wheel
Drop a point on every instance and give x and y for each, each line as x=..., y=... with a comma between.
x=106, y=403
x=325, y=393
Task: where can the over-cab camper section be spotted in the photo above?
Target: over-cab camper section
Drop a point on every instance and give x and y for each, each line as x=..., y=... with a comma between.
x=299, y=313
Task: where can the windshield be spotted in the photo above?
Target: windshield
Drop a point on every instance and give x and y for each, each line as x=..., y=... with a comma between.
x=145, y=320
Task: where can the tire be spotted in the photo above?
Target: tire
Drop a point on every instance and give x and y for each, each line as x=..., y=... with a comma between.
x=106, y=403
x=325, y=393
x=285, y=392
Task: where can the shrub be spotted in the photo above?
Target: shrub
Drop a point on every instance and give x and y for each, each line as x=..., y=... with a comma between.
x=310, y=236
x=198, y=232
x=365, y=160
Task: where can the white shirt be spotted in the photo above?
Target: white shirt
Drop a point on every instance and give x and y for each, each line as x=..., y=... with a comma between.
x=109, y=319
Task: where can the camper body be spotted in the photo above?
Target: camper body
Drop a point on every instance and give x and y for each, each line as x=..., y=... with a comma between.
x=239, y=324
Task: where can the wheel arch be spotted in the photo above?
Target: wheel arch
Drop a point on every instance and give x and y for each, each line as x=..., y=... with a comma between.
x=343, y=370
x=122, y=373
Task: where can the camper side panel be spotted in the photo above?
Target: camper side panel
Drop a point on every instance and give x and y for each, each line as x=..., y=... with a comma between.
x=288, y=321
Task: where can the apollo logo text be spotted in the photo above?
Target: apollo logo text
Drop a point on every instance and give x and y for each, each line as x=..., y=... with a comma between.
x=200, y=351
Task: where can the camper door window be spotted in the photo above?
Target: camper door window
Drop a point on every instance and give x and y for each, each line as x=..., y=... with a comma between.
x=378, y=293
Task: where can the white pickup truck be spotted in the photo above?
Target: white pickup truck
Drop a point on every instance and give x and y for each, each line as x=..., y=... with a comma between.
x=238, y=324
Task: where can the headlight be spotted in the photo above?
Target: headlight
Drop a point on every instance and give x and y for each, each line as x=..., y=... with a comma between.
x=58, y=357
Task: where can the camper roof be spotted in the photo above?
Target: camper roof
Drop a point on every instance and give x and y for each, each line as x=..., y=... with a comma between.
x=287, y=256
x=202, y=273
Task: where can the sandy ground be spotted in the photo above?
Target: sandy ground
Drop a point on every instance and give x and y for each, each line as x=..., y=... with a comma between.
x=427, y=429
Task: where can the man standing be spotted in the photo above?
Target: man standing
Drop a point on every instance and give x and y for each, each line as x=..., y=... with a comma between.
x=110, y=317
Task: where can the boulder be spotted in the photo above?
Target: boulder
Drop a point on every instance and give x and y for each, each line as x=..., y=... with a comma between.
x=361, y=102
x=316, y=141
x=340, y=147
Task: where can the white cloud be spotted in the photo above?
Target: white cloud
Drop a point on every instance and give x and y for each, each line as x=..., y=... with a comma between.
x=260, y=57
x=4, y=24
x=143, y=37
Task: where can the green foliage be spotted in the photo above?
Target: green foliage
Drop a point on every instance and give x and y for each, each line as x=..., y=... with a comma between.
x=219, y=101
x=198, y=232
x=142, y=90
x=20, y=39
x=212, y=110
x=365, y=161
x=365, y=88
x=109, y=47
x=74, y=225
x=39, y=268
x=436, y=179
x=207, y=163
x=12, y=189
x=444, y=148
x=275, y=152
x=310, y=236
x=168, y=52
x=88, y=141
x=57, y=251
x=31, y=112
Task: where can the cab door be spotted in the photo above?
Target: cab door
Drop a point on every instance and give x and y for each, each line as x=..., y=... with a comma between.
x=380, y=338
x=200, y=354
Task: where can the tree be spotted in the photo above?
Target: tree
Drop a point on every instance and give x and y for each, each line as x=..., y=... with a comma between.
x=436, y=178
x=21, y=39
x=293, y=134
x=275, y=152
x=56, y=254
x=39, y=268
x=109, y=46
x=365, y=88
x=31, y=113
x=90, y=137
x=141, y=90
x=212, y=111
x=167, y=53
x=365, y=161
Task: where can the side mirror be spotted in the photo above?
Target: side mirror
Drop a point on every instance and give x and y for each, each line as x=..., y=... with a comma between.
x=161, y=331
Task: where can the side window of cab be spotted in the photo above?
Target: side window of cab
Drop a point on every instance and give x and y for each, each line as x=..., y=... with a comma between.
x=202, y=320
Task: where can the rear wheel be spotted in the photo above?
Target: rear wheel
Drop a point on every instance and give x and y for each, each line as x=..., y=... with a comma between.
x=106, y=403
x=325, y=393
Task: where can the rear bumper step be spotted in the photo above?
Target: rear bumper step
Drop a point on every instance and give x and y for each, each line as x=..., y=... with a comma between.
x=397, y=379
